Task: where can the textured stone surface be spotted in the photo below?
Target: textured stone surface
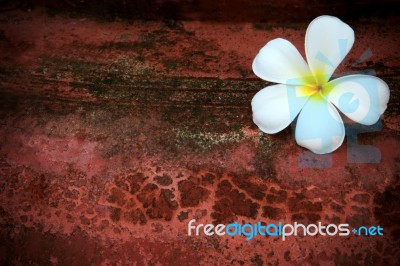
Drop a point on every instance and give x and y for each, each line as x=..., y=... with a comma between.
x=114, y=135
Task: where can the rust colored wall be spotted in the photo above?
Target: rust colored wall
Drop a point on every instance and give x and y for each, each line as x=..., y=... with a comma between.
x=113, y=135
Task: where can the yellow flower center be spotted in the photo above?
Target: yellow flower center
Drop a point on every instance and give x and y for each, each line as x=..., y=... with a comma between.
x=313, y=86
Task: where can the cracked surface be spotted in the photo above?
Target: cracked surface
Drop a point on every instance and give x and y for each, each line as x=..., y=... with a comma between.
x=114, y=135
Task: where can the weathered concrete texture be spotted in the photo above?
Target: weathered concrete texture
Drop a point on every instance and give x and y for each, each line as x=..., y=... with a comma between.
x=208, y=10
x=114, y=135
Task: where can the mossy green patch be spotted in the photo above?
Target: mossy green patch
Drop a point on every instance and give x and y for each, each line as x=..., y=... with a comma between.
x=41, y=70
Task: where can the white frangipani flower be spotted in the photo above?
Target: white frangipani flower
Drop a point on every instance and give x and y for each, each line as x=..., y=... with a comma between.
x=307, y=91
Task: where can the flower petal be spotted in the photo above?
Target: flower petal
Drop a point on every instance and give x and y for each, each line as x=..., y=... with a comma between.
x=328, y=40
x=361, y=98
x=279, y=61
x=276, y=106
x=319, y=126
